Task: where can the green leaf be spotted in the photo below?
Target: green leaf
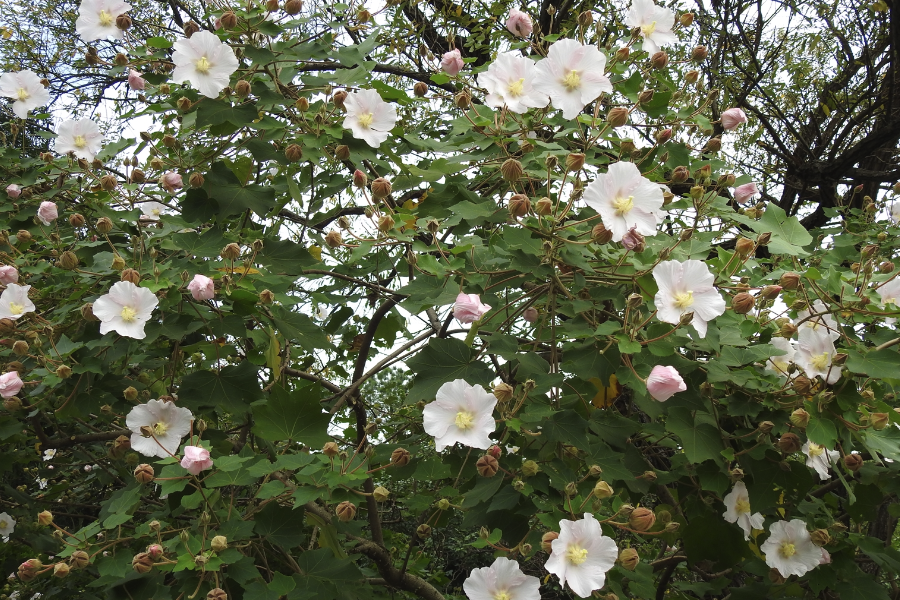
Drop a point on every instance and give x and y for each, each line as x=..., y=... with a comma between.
x=293, y=416
x=566, y=426
x=788, y=235
x=206, y=244
x=233, y=198
x=300, y=328
x=441, y=361
x=729, y=547
x=216, y=112
x=285, y=256
x=701, y=441
x=881, y=364
x=280, y=525
x=323, y=575
x=821, y=431
x=232, y=389
x=120, y=506
x=158, y=42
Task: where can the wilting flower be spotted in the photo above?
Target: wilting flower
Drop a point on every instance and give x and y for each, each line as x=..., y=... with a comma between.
x=8, y=274
x=733, y=118
x=26, y=89
x=202, y=287
x=171, y=181
x=519, y=23
x=503, y=579
x=14, y=190
x=468, y=308
x=460, y=413
x=656, y=24
x=152, y=210
x=47, y=212
x=737, y=510
x=789, y=548
x=815, y=352
x=572, y=75
x=14, y=301
x=745, y=193
x=779, y=364
x=7, y=525
x=820, y=459
x=81, y=137
x=166, y=422
x=125, y=309
x=625, y=199
x=664, y=382
x=890, y=292
x=452, y=62
x=10, y=384
x=687, y=287
x=196, y=459
x=582, y=555
x=369, y=117
x=822, y=323
x=97, y=19
x=205, y=61
x=135, y=81
x=510, y=81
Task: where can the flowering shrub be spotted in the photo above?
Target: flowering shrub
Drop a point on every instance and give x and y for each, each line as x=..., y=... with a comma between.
x=341, y=306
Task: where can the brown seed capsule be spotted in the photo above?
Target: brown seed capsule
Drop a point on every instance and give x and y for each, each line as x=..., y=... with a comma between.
x=144, y=473
x=629, y=559
x=789, y=443
x=219, y=593
x=231, y=252
x=462, y=100
x=623, y=53
x=886, y=267
x=142, y=563
x=547, y=541
x=229, y=20
x=699, y=53
x=854, y=462
x=196, y=180
x=503, y=392
x=342, y=152
x=575, y=161
x=511, y=170
x=487, y=466
x=686, y=19
x=76, y=220
x=642, y=519
x=400, y=457
x=659, y=60
x=333, y=239
x=519, y=205
x=266, y=297
x=79, y=559
x=420, y=89
x=183, y=104
x=292, y=7
x=345, y=511
x=600, y=234
x=339, y=97
x=123, y=22
x=742, y=303
x=617, y=116
x=381, y=188
x=131, y=275
x=293, y=153
x=190, y=28
x=242, y=88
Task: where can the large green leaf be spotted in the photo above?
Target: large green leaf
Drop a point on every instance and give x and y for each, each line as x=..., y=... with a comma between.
x=233, y=198
x=216, y=112
x=232, y=389
x=729, y=547
x=295, y=416
x=300, y=328
x=700, y=441
x=286, y=257
x=788, y=235
x=441, y=361
x=881, y=364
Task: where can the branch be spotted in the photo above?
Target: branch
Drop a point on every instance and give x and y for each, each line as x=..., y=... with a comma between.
x=84, y=439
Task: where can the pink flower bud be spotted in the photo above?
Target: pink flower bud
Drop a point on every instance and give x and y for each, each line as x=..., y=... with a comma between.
x=745, y=193
x=196, y=459
x=202, y=287
x=171, y=181
x=733, y=118
x=135, y=81
x=495, y=451
x=155, y=551
x=10, y=384
x=664, y=382
x=8, y=274
x=13, y=190
x=519, y=23
x=468, y=308
x=452, y=62
x=530, y=314
x=47, y=213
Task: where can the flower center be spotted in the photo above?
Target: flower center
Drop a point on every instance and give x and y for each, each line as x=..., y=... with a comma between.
x=572, y=81
x=16, y=309
x=889, y=300
x=623, y=206
x=160, y=429
x=22, y=94
x=4, y=524
x=128, y=314
x=465, y=419
x=576, y=554
x=742, y=506
x=106, y=19
x=502, y=595
x=815, y=449
x=79, y=141
x=203, y=65
x=365, y=119
x=648, y=30
x=787, y=550
x=820, y=361
x=684, y=299
x=516, y=88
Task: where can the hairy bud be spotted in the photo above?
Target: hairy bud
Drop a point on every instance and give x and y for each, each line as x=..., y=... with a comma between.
x=519, y=205
x=629, y=559
x=617, y=116
x=789, y=443
x=854, y=462
x=242, y=88
x=144, y=473
x=487, y=466
x=400, y=457
x=600, y=234
x=420, y=89
x=219, y=543
x=742, y=303
x=642, y=519
x=79, y=559
x=799, y=418
x=293, y=153
x=789, y=281
x=142, y=563
x=699, y=53
x=381, y=188
x=575, y=161
x=229, y=20
x=511, y=170
x=659, y=60
x=293, y=7
x=820, y=537
x=530, y=468
x=602, y=490
x=190, y=28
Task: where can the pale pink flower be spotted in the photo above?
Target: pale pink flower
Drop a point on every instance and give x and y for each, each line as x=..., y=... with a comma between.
x=826, y=557
x=519, y=23
x=10, y=384
x=97, y=19
x=47, y=212
x=452, y=62
x=196, y=459
x=733, y=118
x=737, y=510
x=8, y=274
x=687, y=287
x=625, y=199
x=171, y=181
x=369, y=118
x=510, y=81
x=125, y=309
x=469, y=308
x=204, y=61
x=202, y=287
x=745, y=193
x=503, y=579
x=789, y=549
x=815, y=351
x=152, y=210
x=820, y=459
x=13, y=190
x=14, y=301
x=460, y=413
x=27, y=90
x=572, y=75
x=135, y=81
x=823, y=322
x=81, y=137
x=656, y=24
x=582, y=555
x=664, y=382
x=167, y=422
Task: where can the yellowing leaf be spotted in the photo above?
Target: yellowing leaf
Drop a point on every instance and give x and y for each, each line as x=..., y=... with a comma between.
x=316, y=252
x=240, y=269
x=606, y=394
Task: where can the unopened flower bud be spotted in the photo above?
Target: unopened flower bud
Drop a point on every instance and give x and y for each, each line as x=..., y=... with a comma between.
x=400, y=457
x=155, y=551
x=487, y=466
x=691, y=77
x=144, y=473
x=600, y=234
x=839, y=358
x=543, y=207
x=381, y=188
x=45, y=518
x=617, y=116
x=190, y=28
x=103, y=225
x=229, y=20
x=79, y=559
x=519, y=205
x=642, y=519
x=293, y=7
x=184, y=104
x=63, y=371
x=511, y=170
x=699, y=53
x=547, y=541
x=423, y=531
x=420, y=89
x=142, y=563
x=68, y=260
x=602, y=490
x=530, y=468
x=20, y=347
x=462, y=100
x=629, y=559
x=60, y=570
x=123, y=22
x=385, y=223
x=575, y=161
x=680, y=174
x=130, y=393
x=586, y=18
x=854, y=462
x=219, y=543
x=231, y=252
x=530, y=314
x=23, y=235
x=879, y=420
x=293, y=153
x=789, y=443
x=663, y=136
x=799, y=418
x=503, y=392
x=765, y=426
x=686, y=319
x=571, y=489
x=659, y=60
x=789, y=281
x=820, y=537
x=742, y=303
